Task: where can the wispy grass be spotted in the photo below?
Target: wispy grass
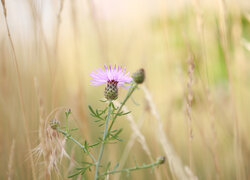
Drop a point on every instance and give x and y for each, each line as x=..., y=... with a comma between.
x=58, y=42
x=177, y=168
x=139, y=136
x=20, y=89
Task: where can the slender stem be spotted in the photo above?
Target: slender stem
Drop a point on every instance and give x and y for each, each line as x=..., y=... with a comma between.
x=146, y=166
x=75, y=141
x=103, y=142
x=130, y=92
x=67, y=122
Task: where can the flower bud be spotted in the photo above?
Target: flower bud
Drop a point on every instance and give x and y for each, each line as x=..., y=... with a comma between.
x=161, y=159
x=68, y=111
x=111, y=90
x=54, y=124
x=139, y=76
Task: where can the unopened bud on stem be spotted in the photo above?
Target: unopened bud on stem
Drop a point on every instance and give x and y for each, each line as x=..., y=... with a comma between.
x=139, y=76
x=161, y=159
x=54, y=124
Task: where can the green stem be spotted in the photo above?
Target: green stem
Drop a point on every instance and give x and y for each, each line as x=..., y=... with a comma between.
x=78, y=143
x=67, y=122
x=103, y=142
x=146, y=166
x=130, y=92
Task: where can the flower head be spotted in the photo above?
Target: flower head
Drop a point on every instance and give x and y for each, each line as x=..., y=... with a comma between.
x=111, y=90
x=116, y=74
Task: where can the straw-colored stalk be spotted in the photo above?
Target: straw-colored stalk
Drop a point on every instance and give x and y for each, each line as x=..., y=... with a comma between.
x=201, y=33
x=176, y=167
x=139, y=136
x=224, y=43
x=20, y=90
x=51, y=147
x=129, y=146
x=41, y=124
x=37, y=21
x=11, y=160
x=189, y=100
x=99, y=31
x=56, y=58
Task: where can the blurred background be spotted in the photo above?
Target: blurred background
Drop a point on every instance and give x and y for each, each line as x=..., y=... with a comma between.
x=196, y=55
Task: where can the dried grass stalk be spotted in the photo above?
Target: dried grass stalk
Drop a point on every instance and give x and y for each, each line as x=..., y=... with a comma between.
x=128, y=147
x=189, y=101
x=11, y=160
x=176, y=167
x=20, y=90
x=228, y=61
x=139, y=136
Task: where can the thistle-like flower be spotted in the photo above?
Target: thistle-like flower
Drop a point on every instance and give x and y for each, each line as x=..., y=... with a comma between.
x=117, y=74
x=112, y=77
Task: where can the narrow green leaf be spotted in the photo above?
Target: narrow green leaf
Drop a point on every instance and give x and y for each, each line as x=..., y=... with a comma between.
x=74, y=129
x=75, y=174
x=108, y=166
x=89, y=163
x=116, y=166
x=126, y=113
x=91, y=109
x=100, y=125
x=103, y=100
x=93, y=145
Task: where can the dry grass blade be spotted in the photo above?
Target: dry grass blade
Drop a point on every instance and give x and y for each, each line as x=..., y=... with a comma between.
x=213, y=148
x=51, y=147
x=20, y=91
x=175, y=164
x=11, y=160
x=129, y=146
x=56, y=64
x=200, y=27
x=37, y=21
x=42, y=123
x=228, y=61
x=189, y=107
x=59, y=20
x=140, y=137
x=99, y=31
x=4, y=8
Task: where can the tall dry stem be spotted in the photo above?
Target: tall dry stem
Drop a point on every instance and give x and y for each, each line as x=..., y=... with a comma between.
x=139, y=136
x=228, y=61
x=20, y=90
x=37, y=21
x=99, y=31
x=59, y=20
x=11, y=160
x=51, y=146
x=189, y=100
x=176, y=167
x=42, y=124
x=201, y=32
x=214, y=147
x=129, y=146
x=56, y=58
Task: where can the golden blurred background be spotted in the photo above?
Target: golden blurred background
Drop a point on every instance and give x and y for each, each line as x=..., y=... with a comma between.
x=196, y=55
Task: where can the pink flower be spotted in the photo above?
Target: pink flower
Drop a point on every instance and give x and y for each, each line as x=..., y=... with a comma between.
x=116, y=75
